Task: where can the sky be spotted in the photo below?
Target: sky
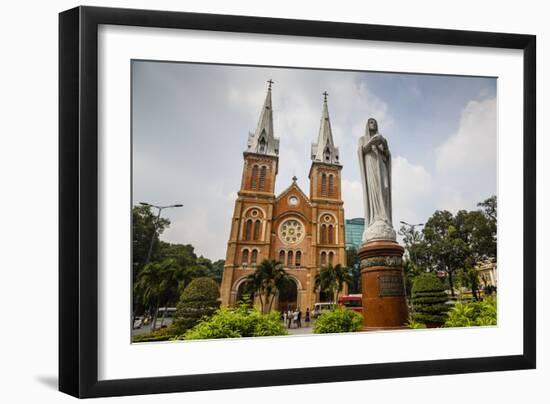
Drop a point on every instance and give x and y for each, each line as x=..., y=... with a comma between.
x=190, y=124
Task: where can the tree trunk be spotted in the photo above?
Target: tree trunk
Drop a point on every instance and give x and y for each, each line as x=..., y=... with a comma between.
x=163, y=316
x=451, y=284
x=153, y=323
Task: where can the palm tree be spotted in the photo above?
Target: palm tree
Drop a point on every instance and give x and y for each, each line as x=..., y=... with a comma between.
x=331, y=279
x=156, y=284
x=266, y=280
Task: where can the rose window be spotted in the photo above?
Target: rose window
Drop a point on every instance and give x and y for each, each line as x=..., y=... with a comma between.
x=291, y=231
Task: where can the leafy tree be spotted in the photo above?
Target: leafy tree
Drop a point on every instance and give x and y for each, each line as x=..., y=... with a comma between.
x=471, y=314
x=446, y=250
x=266, y=280
x=353, y=262
x=338, y=320
x=331, y=279
x=428, y=300
x=242, y=321
x=198, y=301
x=157, y=284
x=489, y=207
x=416, y=248
x=469, y=278
x=144, y=224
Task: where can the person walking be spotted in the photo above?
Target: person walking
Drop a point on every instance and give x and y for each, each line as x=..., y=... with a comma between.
x=295, y=316
x=284, y=317
x=307, y=317
x=289, y=318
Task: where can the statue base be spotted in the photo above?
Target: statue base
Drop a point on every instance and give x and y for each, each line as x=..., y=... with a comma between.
x=384, y=301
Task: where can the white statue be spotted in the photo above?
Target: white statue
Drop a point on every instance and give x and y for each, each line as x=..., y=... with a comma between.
x=375, y=165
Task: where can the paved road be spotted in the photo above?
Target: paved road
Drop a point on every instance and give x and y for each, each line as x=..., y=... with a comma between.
x=301, y=330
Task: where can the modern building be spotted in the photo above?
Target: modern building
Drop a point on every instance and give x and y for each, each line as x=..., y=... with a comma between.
x=302, y=231
x=354, y=232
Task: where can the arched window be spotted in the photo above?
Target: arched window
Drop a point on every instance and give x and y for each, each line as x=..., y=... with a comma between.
x=282, y=257
x=257, y=224
x=323, y=184
x=247, y=229
x=298, y=258
x=331, y=258
x=323, y=234
x=323, y=258
x=263, y=171
x=244, y=259
x=262, y=144
x=330, y=185
x=254, y=257
x=289, y=258
x=330, y=234
x=254, y=180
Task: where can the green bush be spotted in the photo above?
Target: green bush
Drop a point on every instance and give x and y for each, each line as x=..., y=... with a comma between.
x=412, y=324
x=338, y=320
x=428, y=300
x=236, y=323
x=473, y=314
x=198, y=301
x=162, y=334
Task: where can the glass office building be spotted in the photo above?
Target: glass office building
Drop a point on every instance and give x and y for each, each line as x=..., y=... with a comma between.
x=354, y=232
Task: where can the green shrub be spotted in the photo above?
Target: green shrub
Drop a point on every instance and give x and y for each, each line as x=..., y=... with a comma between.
x=428, y=300
x=162, y=334
x=236, y=323
x=198, y=301
x=473, y=314
x=413, y=324
x=338, y=320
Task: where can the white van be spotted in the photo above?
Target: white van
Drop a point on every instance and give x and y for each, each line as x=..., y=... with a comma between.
x=319, y=308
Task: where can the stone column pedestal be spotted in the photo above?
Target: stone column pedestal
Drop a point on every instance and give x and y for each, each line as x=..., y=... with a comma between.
x=384, y=301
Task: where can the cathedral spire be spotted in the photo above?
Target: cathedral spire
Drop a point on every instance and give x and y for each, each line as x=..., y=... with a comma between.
x=263, y=141
x=324, y=150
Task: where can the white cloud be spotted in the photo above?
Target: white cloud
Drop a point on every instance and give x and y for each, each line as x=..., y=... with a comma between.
x=472, y=149
x=466, y=163
x=412, y=191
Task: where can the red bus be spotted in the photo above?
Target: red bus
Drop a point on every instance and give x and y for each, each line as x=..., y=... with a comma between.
x=352, y=302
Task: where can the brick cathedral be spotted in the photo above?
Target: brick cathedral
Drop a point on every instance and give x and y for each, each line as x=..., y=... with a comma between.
x=303, y=232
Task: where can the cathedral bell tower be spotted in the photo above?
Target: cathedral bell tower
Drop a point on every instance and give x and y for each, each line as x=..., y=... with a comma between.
x=326, y=196
x=250, y=234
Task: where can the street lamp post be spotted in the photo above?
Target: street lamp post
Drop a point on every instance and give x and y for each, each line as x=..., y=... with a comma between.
x=412, y=227
x=155, y=226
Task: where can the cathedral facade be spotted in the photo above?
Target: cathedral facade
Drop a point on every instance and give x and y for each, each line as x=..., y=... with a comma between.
x=302, y=231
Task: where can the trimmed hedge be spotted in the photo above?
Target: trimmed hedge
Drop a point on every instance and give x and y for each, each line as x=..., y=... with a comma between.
x=198, y=301
x=429, y=300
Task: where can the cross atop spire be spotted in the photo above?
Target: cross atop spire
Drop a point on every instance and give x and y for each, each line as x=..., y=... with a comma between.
x=263, y=141
x=324, y=150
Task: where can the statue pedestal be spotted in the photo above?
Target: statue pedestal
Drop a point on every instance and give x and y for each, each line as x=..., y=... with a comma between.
x=384, y=301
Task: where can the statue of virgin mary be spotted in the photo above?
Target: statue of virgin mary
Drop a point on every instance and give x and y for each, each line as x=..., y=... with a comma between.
x=375, y=166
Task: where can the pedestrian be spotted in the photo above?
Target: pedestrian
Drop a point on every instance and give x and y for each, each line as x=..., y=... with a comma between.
x=284, y=317
x=296, y=318
x=289, y=318
x=307, y=317
x=299, y=318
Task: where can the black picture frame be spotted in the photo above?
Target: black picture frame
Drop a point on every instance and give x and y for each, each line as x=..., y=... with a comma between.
x=78, y=200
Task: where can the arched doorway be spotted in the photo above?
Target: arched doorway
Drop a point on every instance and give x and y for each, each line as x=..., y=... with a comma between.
x=288, y=296
x=244, y=292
